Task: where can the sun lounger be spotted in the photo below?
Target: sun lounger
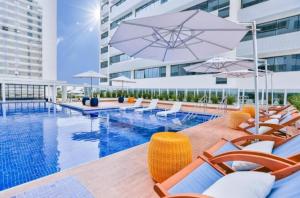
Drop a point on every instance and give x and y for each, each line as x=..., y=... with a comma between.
x=175, y=108
x=272, y=126
x=198, y=176
x=151, y=106
x=274, y=110
x=285, y=148
x=137, y=104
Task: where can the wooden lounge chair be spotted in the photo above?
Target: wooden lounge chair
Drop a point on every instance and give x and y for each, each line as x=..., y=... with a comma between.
x=195, y=178
x=137, y=104
x=274, y=110
x=268, y=127
x=175, y=109
x=151, y=106
x=285, y=148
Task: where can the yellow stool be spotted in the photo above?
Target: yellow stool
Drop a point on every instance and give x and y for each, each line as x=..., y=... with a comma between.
x=249, y=109
x=168, y=153
x=236, y=118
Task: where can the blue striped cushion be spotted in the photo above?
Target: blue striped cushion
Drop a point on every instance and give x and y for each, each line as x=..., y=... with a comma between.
x=228, y=146
x=289, y=148
x=197, y=181
x=287, y=187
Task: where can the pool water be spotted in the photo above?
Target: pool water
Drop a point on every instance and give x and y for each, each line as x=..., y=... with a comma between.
x=38, y=139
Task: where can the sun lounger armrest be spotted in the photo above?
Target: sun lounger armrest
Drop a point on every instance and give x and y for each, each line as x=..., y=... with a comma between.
x=189, y=195
x=249, y=138
x=270, y=161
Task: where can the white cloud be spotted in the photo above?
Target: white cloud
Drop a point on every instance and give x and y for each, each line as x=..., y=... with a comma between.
x=59, y=40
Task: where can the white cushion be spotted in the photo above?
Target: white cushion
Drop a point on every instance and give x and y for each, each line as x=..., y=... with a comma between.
x=276, y=116
x=264, y=129
x=249, y=184
x=263, y=146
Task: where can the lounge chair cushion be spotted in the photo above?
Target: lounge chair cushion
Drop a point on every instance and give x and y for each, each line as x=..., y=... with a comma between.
x=264, y=129
x=263, y=146
x=248, y=184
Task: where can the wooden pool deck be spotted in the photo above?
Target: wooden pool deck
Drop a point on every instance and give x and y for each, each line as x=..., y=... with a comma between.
x=125, y=174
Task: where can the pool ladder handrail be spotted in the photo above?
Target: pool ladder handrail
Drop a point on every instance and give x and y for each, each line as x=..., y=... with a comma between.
x=222, y=107
x=201, y=103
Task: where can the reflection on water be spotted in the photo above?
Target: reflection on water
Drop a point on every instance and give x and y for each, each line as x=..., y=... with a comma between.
x=41, y=139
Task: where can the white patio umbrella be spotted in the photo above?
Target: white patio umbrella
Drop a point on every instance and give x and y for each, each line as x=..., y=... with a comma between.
x=222, y=64
x=123, y=79
x=190, y=35
x=239, y=74
x=91, y=75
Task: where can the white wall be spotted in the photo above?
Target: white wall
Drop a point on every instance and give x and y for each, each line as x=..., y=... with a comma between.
x=49, y=39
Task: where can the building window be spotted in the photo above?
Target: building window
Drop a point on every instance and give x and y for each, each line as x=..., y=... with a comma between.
x=115, y=23
x=248, y=3
x=119, y=58
x=155, y=72
x=284, y=63
x=178, y=70
x=104, y=20
x=277, y=27
x=5, y=28
x=125, y=73
x=118, y=3
x=24, y=92
x=211, y=5
x=104, y=50
x=104, y=64
x=104, y=35
x=221, y=80
x=223, y=12
x=149, y=5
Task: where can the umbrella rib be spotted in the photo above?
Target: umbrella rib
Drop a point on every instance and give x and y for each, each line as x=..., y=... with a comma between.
x=144, y=48
x=195, y=36
x=191, y=51
x=168, y=44
x=207, y=41
x=130, y=39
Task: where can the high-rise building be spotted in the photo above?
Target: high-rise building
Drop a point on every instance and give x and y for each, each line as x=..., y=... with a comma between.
x=278, y=23
x=27, y=48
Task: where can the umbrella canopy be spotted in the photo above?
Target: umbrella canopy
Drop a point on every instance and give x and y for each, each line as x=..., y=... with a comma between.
x=123, y=79
x=187, y=36
x=222, y=64
x=238, y=74
x=90, y=74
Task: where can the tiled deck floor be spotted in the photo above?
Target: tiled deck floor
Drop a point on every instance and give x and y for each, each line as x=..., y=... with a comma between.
x=125, y=174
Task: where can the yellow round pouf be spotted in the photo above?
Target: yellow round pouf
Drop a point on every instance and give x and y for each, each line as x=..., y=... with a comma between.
x=168, y=153
x=249, y=109
x=236, y=118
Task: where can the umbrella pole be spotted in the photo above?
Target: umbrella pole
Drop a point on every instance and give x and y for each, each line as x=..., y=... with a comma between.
x=267, y=89
x=122, y=87
x=256, y=76
x=272, y=92
x=91, y=87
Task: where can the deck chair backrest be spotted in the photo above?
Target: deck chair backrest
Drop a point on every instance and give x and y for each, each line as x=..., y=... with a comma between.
x=290, y=119
x=153, y=103
x=138, y=102
x=176, y=107
x=289, y=148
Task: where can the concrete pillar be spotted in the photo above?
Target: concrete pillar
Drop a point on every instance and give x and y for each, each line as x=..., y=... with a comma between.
x=223, y=93
x=3, y=92
x=238, y=99
x=168, y=70
x=262, y=96
x=64, y=94
x=243, y=96
x=48, y=92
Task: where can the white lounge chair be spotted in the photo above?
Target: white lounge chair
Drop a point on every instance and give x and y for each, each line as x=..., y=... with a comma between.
x=151, y=106
x=175, y=108
x=137, y=104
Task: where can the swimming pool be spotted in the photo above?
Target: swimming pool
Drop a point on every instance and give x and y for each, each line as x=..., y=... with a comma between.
x=38, y=139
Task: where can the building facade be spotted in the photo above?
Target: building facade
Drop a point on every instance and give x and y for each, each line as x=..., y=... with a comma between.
x=27, y=48
x=278, y=42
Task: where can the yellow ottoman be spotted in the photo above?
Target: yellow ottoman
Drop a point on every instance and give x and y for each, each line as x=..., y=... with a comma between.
x=249, y=109
x=168, y=153
x=236, y=118
x=131, y=100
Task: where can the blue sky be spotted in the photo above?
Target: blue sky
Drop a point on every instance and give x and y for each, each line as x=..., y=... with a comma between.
x=77, y=38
